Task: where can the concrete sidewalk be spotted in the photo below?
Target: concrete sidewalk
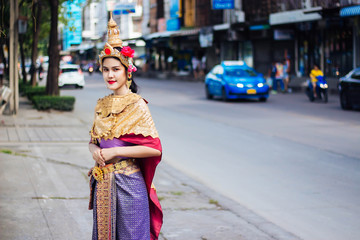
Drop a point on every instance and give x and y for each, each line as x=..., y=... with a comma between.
x=44, y=190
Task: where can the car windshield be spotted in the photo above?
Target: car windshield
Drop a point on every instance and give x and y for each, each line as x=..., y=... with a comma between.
x=64, y=70
x=247, y=72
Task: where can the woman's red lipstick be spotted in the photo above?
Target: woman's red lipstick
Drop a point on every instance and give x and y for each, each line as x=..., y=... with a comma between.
x=111, y=82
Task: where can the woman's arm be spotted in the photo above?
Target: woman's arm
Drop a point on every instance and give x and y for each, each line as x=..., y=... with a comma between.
x=96, y=153
x=129, y=152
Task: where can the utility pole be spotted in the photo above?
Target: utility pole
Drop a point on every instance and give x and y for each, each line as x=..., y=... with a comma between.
x=13, y=54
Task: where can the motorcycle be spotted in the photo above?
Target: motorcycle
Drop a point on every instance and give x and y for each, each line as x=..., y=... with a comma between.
x=321, y=89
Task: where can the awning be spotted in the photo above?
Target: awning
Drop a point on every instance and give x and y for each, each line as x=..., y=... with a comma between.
x=220, y=27
x=81, y=47
x=158, y=35
x=172, y=33
x=350, y=11
x=186, y=32
x=294, y=16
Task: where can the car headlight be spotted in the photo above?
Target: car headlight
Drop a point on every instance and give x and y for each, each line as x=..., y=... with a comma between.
x=240, y=85
x=260, y=85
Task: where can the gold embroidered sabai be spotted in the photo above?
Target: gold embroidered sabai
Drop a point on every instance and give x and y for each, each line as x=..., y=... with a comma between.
x=116, y=116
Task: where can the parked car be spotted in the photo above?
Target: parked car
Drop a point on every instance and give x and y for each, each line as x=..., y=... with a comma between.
x=233, y=80
x=349, y=90
x=71, y=74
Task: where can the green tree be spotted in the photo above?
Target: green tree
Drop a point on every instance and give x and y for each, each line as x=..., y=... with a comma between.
x=40, y=35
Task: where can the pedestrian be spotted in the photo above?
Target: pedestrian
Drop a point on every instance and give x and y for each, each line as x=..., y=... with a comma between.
x=203, y=65
x=195, y=66
x=2, y=68
x=279, y=77
x=271, y=74
x=126, y=148
x=40, y=70
x=286, y=74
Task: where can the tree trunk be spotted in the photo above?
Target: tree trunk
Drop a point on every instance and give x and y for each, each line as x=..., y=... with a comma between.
x=52, y=87
x=36, y=31
x=21, y=40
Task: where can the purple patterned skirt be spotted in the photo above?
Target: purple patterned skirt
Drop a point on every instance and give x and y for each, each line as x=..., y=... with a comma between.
x=121, y=207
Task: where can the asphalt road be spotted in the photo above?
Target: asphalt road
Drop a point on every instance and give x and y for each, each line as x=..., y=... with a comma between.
x=292, y=162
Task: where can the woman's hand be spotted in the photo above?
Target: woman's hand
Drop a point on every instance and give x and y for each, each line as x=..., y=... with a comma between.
x=108, y=153
x=96, y=152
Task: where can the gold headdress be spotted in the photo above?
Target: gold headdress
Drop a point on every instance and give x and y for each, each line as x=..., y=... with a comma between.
x=125, y=55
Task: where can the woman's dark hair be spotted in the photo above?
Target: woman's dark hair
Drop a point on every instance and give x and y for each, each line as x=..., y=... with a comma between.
x=133, y=86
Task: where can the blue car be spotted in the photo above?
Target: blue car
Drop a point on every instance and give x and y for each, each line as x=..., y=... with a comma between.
x=234, y=80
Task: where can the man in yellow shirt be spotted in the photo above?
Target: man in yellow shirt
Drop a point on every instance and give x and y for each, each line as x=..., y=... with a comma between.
x=315, y=72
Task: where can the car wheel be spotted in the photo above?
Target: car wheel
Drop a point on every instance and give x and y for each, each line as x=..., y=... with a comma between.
x=208, y=95
x=344, y=101
x=223, y=95
x=263, y=99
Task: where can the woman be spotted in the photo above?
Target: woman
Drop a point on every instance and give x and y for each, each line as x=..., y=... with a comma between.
x=314, y=74
x=126, y=149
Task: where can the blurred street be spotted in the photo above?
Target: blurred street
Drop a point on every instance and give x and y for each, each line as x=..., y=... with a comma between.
x=283, y=169
x=293, y=162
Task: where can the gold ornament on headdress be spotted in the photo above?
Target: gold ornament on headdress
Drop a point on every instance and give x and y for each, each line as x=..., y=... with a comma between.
x=125, y=55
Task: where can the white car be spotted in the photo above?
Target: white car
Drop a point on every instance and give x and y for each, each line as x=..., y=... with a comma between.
x=71, y=74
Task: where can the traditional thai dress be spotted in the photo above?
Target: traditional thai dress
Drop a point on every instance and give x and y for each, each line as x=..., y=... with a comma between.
x=124, y=201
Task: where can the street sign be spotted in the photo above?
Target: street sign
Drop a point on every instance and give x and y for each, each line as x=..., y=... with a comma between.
x=124, y=8
x=222, y=4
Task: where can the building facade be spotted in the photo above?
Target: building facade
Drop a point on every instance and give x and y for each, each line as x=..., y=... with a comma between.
x=307, y=32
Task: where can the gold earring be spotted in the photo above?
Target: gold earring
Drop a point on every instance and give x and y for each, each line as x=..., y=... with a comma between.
x=129, y=80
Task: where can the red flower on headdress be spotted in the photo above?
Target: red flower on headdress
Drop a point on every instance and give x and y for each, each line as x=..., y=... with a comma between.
x=127, y=52
x=107, y=51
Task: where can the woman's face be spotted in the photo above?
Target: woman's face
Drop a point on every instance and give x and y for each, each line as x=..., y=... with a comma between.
x=114, y=74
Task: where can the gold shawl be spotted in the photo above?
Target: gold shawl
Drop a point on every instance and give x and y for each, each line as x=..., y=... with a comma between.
x=116, y=116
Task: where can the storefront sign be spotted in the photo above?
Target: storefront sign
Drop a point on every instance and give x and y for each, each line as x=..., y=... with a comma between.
x=259, y=27
x=222, y=4
x=294, y=16
x=161, y=25
x=72, y=32
x=350, y=11
x=173, y=24
x=175, y=9
x=206, y=37
x=283, y=34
